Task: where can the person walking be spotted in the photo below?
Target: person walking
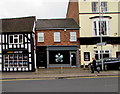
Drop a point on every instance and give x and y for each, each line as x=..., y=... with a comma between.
x=94, y=66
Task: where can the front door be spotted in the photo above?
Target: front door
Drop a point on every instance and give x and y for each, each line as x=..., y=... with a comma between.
x=41, y=56
x=41, y=60
x=73, y=58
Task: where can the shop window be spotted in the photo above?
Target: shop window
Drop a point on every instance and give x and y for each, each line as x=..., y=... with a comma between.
x=15, y=39
x=86, y=56
x=16, y=60
x=59, y=57
x=98, y=55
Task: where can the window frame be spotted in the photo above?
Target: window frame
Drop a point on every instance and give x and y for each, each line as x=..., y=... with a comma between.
x=39, y=40
x=57, y=37
x=104, y=7
x=97, y=20
x=98, y=52
x=72, y=35
x=95, y=6
x=18, y=39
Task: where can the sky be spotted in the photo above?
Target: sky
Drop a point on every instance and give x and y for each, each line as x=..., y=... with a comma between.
x=42, y=9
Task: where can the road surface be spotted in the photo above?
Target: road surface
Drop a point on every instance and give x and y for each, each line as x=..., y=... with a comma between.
x=109, y=84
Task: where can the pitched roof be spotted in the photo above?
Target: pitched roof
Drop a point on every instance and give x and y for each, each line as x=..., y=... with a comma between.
x=44, y=24
x=23, y=24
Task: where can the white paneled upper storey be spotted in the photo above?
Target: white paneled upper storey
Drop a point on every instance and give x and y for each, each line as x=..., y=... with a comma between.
x=99, y=0
x=86, y=5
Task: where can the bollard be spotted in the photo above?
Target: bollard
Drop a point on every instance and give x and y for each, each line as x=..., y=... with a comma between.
x=61, y=70
x=84, y=66
x=36, y=70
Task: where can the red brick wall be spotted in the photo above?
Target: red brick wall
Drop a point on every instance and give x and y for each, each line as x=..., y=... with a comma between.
x=73, y=11
x=49, y=37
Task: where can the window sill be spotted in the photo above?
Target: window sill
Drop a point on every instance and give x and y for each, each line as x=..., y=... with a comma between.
x=15, y=43
x=73, y=41
x=41, y=42
x=56, y=41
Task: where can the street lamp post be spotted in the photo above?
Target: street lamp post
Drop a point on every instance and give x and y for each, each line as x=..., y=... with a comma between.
x=100, y=31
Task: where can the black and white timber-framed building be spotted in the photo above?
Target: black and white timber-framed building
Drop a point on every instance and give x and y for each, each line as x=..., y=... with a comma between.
x=17, y=44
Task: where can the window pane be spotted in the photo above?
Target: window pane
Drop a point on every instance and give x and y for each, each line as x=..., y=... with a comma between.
x=20, y=56
x=11, y=39
x=94, y=6
x=56, y=36
x=99, y=27
x=25, y=57
x=20, y=39
x=40, y=37
x=15, y=36
x=96, y=56
x=104, y=6
x=11, y=57
x=15, y=40
x=15, y=57
x=95, y=28
x=105, y=53
x=73, y=36
x=103, y=28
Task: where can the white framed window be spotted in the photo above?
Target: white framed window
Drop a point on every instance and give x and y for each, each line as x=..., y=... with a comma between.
x=56, y=36
x=73, y=36
x=40, y=37
x=104, y=6
x=95, y=7
x=98, y=54
x=101, y=27
x=16, y=39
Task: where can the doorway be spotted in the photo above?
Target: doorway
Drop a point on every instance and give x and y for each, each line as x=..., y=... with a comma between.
x=41, y=57
x=118, y=54
x=73, y=58
x=41, y=60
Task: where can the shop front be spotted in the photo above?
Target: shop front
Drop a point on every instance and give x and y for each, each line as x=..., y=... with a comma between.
x=57, y=56
x=16, y=60
x=17, y=45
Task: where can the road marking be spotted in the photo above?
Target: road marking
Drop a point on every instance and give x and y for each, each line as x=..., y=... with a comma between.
x=57, y=78
x=94, y=77
x=28, y=79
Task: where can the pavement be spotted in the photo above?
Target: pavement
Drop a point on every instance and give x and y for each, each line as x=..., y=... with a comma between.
x=61, y=73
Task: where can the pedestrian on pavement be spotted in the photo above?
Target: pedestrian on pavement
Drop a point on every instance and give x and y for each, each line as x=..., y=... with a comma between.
x=94, y=66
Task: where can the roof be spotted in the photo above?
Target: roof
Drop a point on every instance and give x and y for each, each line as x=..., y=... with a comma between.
x=44, y=24
x=23, y=24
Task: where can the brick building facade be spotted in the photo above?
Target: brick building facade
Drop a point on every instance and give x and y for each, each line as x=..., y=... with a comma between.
x=56, y=43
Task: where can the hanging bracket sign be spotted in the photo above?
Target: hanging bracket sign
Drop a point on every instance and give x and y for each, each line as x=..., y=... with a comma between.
x=101, y=44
